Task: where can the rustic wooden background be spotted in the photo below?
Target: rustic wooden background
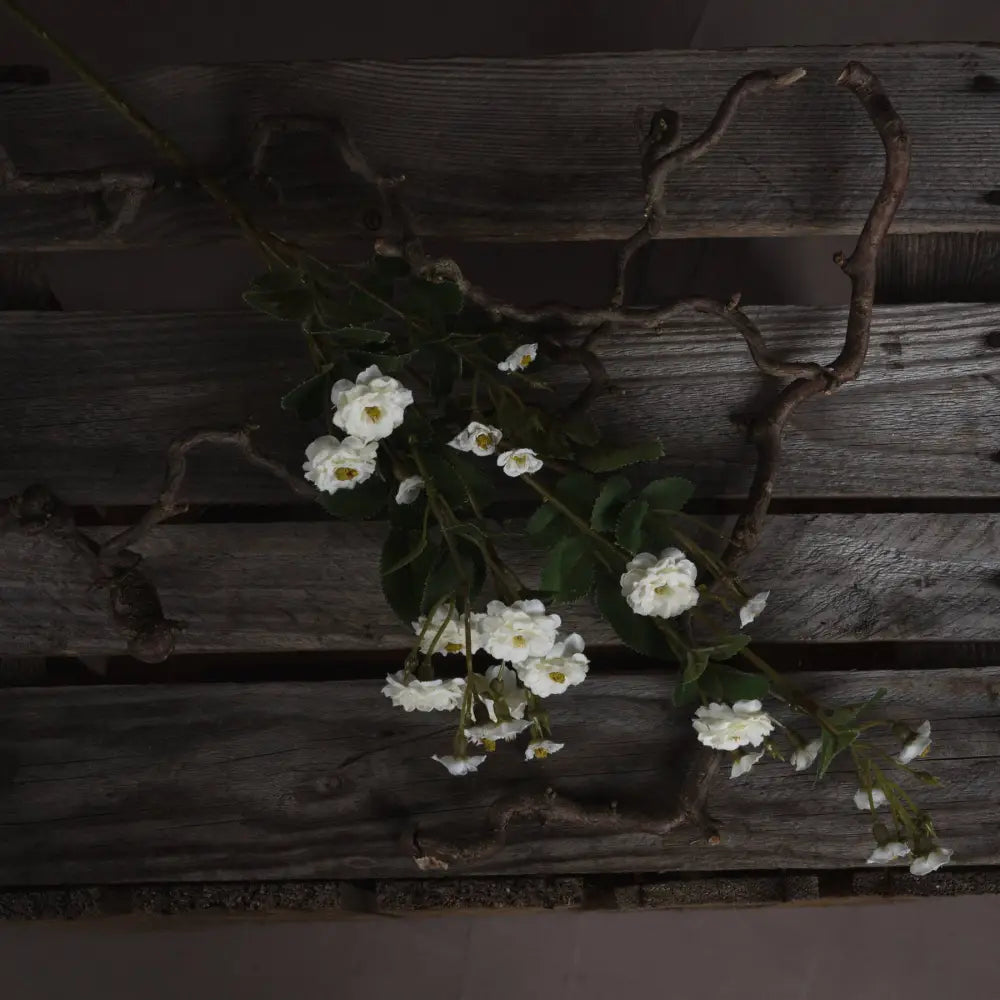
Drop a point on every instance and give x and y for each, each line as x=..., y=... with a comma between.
x=881, y=557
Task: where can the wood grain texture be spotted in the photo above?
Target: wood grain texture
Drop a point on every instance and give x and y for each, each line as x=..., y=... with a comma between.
x=940, y=267
x=314, y=586
x=289, y=781
x=93, y=399
x=486, y=159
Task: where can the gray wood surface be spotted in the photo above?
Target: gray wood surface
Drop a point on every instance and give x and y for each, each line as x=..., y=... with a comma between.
x=93, y=400
x=486, y=158
x=315, y=586
x=940, y=267
x=278, y=781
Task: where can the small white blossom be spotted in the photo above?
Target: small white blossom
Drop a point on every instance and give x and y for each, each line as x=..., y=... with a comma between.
x=661, y=586
x=480, y=439
x=722, y=727
x=333, y=465
x=917, y=745
x=409, y=489
x=803, y=757
x=744, y=762
x=371, y=407
x=452, y=638
x=514, y=696
x=564, y=666
x=877, y=798
x=931, y=862
x=891, y=851
x=424, y=696
x=753, y=607
x=519, y=462
x=459, y=766
x=540, y=749
x=488, y=735
x=519, y=358
x=514, y=633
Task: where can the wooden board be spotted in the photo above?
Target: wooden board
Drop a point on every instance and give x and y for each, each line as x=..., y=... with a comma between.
x=486, y=159
x=277, y=781
x=940, y=267
x=315, y=586
x=93, y=400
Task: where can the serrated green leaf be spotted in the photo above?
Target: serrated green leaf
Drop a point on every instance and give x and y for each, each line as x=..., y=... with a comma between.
x=545, y=526
x=582, y=430
x=668, y=494
x=348, y=337
x=737, y=685
x=283, y=294
x=404, y=586
x=308, y=399
x=831, y=745
x=419, y=547
x=727, y=648
x=628, y=529
x=636, y=631
x=608, y=458
x=847, y=715
x=388, y=364
x=578, y=491
x=568, y=571
x=474, y=472
x=444, y=478
x=695, y=664
x=362, y=502
x=447, y=578
x=609, y=503
x=446, y=369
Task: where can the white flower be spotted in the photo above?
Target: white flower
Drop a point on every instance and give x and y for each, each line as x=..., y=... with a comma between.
x=744, y=762
x=424, y=696
x=459, y=766
x=333, y=465
x=723, y=728
x=753, y=607
x=803, y=757
x=891, y=851
x=519, y=359
x=540, y=749
x=490, y=734
x=480, y=439
x=877, y=798
x=409, y=489
x=564, y=666
x=917, y=745
x=514, y=633
x=514, y=696
x=931, y=862
x=452, y=638
x=519, y=461
x=370, y=407
x=661, y=586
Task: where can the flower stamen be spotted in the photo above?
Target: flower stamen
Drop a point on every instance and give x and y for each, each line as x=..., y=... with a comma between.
x=344, y=473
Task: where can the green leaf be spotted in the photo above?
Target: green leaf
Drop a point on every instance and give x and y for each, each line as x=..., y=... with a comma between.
x=607, y=458
x=628, y=530
x=636, y=631
x=362, y=502
x=445, y=580
x=419, y=547
x=353, y=336
x=669, y=494
x=445, y=478
x=283, y=294
x=474, y=472
x=582, y=430
x=446, y=370
x=686, y=692
x=545, y=526
x=308, y=399
x=847, y=715
x=695, y=664
x=578, y=491
x=404, y=585
x=832, y=745
x=388, y=364
x=737, y=685
x=727, y=648
x=568, y=572
x=609, y=503
x=432, y=301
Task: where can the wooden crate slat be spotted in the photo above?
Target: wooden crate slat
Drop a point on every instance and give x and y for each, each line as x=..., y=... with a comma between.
x=96, y=398
x=486, y=159
x=205, y=782
x=314, y=586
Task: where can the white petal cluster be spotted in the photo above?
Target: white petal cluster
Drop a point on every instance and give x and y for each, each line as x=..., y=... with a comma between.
x=803, y=757
x=519, y=358
x=724, y=727
x=744, y=762
x=424, y=696
x=891, y=851
x=409, y=489
x=333, y=465
x=519, y=631
x=662, y=586
x=931, y=861
x=479, y=439
x=753, y=608
x=459, y=766
x=372, y=406
x=514, y=696
x=917, y=745
x=519, y=462
x=540, y=749
x=862, y=801
x=564, y=666
x=489, y=734
x=452, y=638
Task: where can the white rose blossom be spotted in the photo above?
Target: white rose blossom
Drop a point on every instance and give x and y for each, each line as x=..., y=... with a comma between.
x=517, y=632
x=333, y=465
x=424, y=696
x=803, y=757
x=891, y=851
x=564, y=666
x=722, y=727
x=489, y=734
x=753, y=608
x=514, y=696
x=452, y=638
x=744, y=762
x=540, y=749
x=371, y=407
x=459, y=766
x=662, y=586
x=519, y=462
x=931, y=861
x=918, y=744
x=519, y=358
x=409, y=489
x=877, y=798
x=480, y=439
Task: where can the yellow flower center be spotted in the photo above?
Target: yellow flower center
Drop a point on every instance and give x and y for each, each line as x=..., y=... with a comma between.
x=520, y=459
x=519, y=641
x=490, y=745
x=558, y=676
x=665, y=589
x=484, y=440
x=344, y=473
x=926, y=750
x=525, y=360
x=541, y=753
x=453, y=647
x=373, y=413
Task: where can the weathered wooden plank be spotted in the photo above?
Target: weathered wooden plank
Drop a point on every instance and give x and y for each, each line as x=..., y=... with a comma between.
x=940, y=267
x=485, y=159
x=92, y=400
x=279, y=781
x=314, y=586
